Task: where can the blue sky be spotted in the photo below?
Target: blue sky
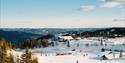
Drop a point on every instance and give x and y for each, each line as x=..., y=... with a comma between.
x=62, y=13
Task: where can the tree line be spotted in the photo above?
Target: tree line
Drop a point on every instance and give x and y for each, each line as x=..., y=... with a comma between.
x=5, y=57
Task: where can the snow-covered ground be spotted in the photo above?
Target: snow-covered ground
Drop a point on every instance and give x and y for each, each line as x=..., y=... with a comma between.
x=74, y=59
x=78, y=52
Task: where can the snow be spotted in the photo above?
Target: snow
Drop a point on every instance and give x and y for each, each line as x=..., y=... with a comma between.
x=82, y=53
x=118, y=40
x=73, y=59
x=66, y=37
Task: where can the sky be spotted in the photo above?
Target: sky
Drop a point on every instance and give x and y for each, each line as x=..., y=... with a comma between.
x=62, y=13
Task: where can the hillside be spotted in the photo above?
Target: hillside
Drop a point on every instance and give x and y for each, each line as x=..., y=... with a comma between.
x=16, y=37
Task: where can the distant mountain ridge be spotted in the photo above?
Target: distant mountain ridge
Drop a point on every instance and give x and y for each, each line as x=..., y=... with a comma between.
x=113, y=30
x=18, y=35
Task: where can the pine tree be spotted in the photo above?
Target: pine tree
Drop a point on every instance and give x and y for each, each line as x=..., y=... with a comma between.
x=4, y=57
x=45, y=42
x=35, y=60
x=120, y=55
x=9, y=59
x=27, y=57
x=52, y=43
x=18, y=59
x=68, y=44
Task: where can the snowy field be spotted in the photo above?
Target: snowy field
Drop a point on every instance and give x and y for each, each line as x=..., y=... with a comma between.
x=78, y=52
x=74, y=59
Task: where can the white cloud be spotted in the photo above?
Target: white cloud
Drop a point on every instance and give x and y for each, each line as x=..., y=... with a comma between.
x=115, y=0
x=88, y=8
x=104, y=4
x=111, y=3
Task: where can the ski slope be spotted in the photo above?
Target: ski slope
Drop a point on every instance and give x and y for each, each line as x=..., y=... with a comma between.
x=82, y=53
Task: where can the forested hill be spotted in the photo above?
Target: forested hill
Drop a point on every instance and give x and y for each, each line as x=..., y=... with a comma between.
x=16, y=37
x=110, y=32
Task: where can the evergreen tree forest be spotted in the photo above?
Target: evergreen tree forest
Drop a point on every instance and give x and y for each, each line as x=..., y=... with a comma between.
x=5, y=57
x=38, y=42
x=27, y=57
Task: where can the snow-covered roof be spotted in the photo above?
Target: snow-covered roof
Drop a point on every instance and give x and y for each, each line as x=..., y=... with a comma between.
x=66, y=37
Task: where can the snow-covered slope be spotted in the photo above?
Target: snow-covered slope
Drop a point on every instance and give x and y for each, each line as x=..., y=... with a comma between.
x=79, y=52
